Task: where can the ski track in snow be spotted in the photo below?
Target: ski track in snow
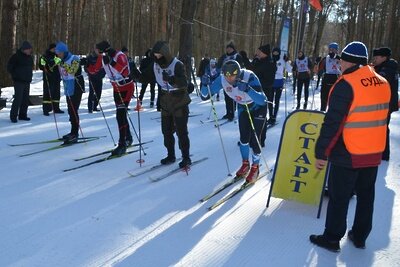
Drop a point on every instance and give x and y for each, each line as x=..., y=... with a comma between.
x=99, y=216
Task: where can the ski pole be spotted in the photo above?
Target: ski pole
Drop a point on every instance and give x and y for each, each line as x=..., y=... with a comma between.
x=140, y=161
x=219, y=130
x=51, y=100
x=102, y=111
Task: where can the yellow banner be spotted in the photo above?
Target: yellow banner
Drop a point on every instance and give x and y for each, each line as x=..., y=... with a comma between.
x=295, y=176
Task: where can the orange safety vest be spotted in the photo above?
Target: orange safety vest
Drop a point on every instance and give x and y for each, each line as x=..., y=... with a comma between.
x=364, y=130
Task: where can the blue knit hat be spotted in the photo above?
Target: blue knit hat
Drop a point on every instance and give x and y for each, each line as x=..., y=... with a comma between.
x=25, y=45
x=334, y=46
x=355, y=52
x=61, y=47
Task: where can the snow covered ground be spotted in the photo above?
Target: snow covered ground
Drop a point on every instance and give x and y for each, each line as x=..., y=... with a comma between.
x=98, y=216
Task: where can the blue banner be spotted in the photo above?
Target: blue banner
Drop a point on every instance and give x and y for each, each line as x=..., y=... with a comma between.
x=284, y=42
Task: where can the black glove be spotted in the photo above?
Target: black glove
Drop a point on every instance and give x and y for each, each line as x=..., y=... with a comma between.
x=167, y=78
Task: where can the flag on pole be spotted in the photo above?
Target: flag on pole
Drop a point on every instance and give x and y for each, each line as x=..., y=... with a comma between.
x=316, y=4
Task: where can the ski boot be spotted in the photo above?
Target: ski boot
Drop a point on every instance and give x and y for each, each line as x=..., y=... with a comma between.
x=119, y=150
x=129, y=140
x=168, y=160
x=186, y=162
x=70, y=139
x=244, y=169
x=253, y=174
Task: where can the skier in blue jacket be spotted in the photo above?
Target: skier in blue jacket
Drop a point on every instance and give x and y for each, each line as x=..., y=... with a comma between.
x=245, y=89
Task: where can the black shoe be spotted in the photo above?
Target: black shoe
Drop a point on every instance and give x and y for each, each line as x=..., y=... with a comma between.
x=185, y=163
x=321, y=241
x=305, y=106
x=13, y=120
x=90, y=111
x=24, y=118
x=298, y=106
x=96, y=109
x=356, y=243
x=168, y=160
x=64, y=137
x=151, y=105
x=71, y=139
x=46, y=113
x=129, y=141
x=119, y=150
x=59, y=111
x=271, y=121
x=226, y=116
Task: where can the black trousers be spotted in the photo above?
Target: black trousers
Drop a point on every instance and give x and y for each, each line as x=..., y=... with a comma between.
x=300, y=83
x=122, y=102
x=176, y=122
x=386, y=152
x=274, y=97
x=19, y=107
x=342, y=182
x=245, y=129
x=95, y=89
x=73, y=103
x=230, y=106
x=325, y=87
x=51, y=93
x=152, y=91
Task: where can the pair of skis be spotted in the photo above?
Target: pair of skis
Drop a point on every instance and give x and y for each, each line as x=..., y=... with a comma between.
x=56, y=147
x=233, y=193
x=110, y=157
x=162, y=176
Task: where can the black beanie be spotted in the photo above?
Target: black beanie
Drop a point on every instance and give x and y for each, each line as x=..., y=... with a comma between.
x=103, y=46
x=231, y=45
x=124, y=49
x=25, y=45
x=52, y=45
x=382, y=51
x=266, y=49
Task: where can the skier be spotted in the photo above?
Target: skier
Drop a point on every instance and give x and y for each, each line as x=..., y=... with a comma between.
x=281, y=68
x=116, y=66
x=74, y=87
x=210, y=72
x=174, y=102
x=51, y=81
x=96, y=73
x=231, y=54
x=147, y=77
x=302, y=70
x=243, y=87
x=330, y=67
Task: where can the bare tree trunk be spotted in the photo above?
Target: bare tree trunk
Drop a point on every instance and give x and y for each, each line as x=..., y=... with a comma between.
x=7, y=41
x=186, y=33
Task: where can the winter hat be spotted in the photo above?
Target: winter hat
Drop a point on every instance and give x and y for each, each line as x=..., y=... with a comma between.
x=382, y=51
x=124, y=49
x=334, y=46
x=231, y=45
x=61, y=47
x=266, y=49
x=25, y=45
x=213, y=61
x=52, y=45
x=103, y=46
x=276, y=49
x=161, y=47
x=355, y=52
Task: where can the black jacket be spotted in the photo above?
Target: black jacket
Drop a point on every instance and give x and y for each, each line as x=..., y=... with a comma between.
x=232, y=56
x=330, y=144
x=50, y=69
x=388, y=70
x=202, y=67
x=20, y=66
x=265, y=69
x=147, y=69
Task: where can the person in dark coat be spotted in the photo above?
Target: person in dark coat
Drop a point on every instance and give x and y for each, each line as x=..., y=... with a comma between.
x=174, y=102
x=20, y=66
x=231, y=54
x=387, y=67
x=353, y=141
x=245, y=58
x=265, y=68
x=147, y=77
x=51, y=81
x=94, y=68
